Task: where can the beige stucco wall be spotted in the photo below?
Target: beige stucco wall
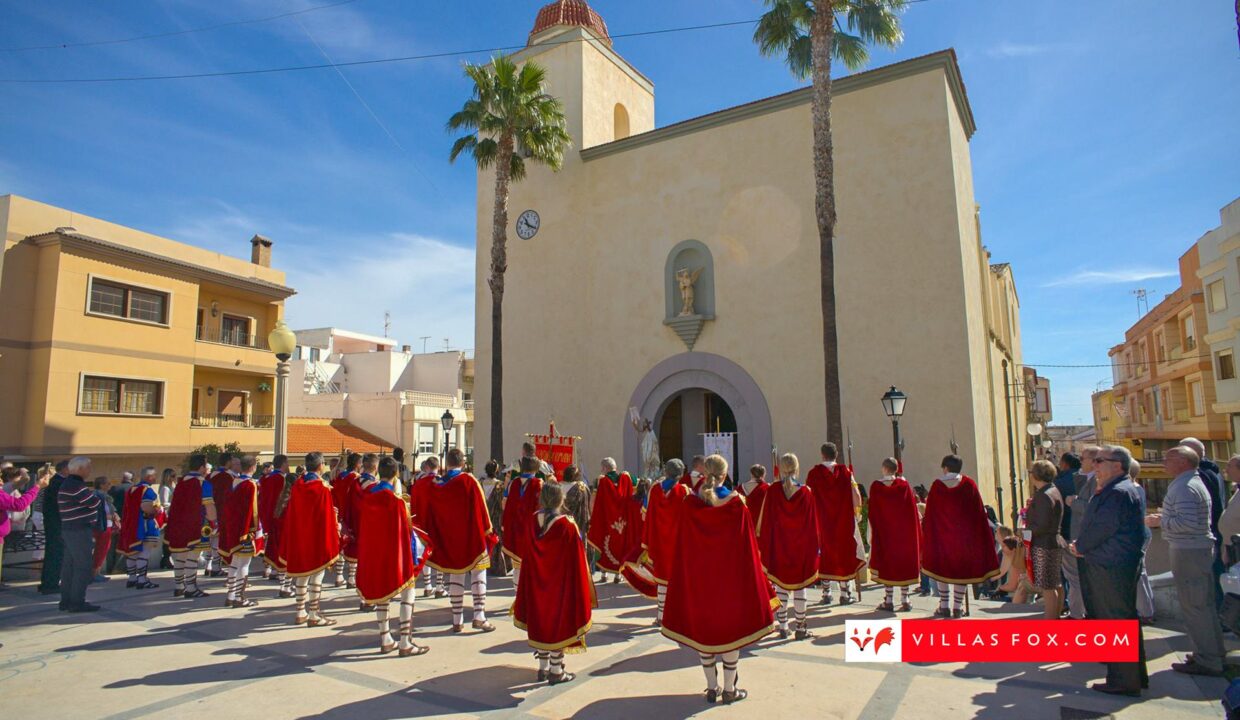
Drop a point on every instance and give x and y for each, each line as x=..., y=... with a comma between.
x=1219, y=250
x=584, y=305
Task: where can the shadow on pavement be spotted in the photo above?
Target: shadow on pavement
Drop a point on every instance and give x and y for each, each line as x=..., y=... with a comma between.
x=471, y=691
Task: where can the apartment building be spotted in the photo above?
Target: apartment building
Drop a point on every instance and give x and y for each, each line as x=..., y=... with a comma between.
x=1220, y=279
x=1164, y=380
x=128, y=347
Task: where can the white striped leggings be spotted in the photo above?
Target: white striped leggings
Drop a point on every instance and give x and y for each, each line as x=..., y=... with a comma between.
x=710, y=666
x=406, y=620
x=456, y=595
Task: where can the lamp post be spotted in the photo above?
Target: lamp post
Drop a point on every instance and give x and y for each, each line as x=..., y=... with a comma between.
x=282, y=342
x=446, y=420
x=1034, y=429
x=893, y=405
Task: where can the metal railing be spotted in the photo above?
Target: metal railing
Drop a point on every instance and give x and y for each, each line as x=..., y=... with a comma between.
x=416, y=397
x=318, y=381
x=255, y=422
x=225, y=337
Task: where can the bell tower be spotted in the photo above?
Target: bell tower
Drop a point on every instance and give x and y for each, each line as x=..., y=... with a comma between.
x=605, y=98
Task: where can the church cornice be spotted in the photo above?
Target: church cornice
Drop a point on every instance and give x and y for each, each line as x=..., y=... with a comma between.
x=944, y=59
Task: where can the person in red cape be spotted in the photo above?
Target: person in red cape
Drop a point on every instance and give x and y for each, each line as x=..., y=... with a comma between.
x=787, y=535
x=311, y=541
x=694, y=474
x=345, y=485
x=663, y=509
x=390, y=553
x=191, y=516
x=419, y=497
x=519, y=505
x=221, y=482
x=270, y=487
x=718, y=599
x=139, y=531
x=555, y=603
x=841, y=554
x=958, y=545
x=895, y=536
x=460, y=531
x=611, y=529
x=241, y=536
x=754, y=489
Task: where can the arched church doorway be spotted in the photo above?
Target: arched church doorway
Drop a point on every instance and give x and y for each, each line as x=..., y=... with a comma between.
x=688, y=415
x=692, y=393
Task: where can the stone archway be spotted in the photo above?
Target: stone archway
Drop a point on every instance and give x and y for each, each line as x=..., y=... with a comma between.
x=713, y=373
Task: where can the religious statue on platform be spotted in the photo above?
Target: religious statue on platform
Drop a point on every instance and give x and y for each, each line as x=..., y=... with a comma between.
x=651, y=464
x=685, y=278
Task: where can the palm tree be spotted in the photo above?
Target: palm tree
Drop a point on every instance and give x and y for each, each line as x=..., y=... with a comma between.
x=509, y=119
x=809, y=34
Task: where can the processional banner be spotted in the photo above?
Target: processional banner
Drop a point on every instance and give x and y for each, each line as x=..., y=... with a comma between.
x=558, y=451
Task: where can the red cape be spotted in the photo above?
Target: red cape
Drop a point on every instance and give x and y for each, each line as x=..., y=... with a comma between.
x=612, y=532
x=221, y=483
x=636, y=572
x=659, y=532
x=386, y=564
x=755, y=497
x=788, y=537
x=519, y=508
x=958, y=545
x=131, y=516
x=839, y=557
x=345, y=490
x=718, y=599
x=269, y=489
x=419, y=497
x=458, y=524
x=895, y=534
x=556, y=595
x=311, y=538
x=241, y=534
x=186, y=516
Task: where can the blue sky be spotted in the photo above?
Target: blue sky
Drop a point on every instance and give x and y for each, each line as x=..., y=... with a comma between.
x=1106, y=144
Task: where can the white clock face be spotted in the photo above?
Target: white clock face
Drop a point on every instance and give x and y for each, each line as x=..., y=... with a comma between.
x=527, y=225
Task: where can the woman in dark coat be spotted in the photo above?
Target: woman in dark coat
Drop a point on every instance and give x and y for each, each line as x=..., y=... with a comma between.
x=1043, y=522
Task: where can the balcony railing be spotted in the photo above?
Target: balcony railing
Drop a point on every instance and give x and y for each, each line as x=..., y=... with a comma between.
x=227, y=337
x=1181, y=415
x=415, y=397
x=254, y=422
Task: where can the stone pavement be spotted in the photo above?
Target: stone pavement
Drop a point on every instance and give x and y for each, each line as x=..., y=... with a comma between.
x=149, y=655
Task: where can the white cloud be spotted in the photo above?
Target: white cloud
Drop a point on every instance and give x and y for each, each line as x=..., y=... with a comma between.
x=1006, y=50
x=1110, y=277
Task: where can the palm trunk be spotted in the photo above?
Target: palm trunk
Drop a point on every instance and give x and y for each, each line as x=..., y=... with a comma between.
x=822, y=35
x=499, y=265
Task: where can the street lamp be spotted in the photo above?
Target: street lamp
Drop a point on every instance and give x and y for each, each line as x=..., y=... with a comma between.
x=446, y=420
x=893, y=405
x=282, y=342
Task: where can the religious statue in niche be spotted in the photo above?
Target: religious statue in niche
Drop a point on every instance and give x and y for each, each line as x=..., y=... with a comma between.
x=685, y=278
x=651, y=463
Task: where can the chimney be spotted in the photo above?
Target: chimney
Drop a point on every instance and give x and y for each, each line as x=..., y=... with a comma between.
x=260, y=252
x=406, y=349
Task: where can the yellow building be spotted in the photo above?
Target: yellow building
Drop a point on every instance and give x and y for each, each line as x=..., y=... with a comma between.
x=593, y=314
x=128, y=347
x=1107, y=421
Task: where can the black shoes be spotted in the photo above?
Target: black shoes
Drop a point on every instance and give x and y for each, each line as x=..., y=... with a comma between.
x=1113, y=690
x=83, y=608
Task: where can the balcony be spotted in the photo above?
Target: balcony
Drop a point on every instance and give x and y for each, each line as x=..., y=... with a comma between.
x=236, y=339
x=250, y=422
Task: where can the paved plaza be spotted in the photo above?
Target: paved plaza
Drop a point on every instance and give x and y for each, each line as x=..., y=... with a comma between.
x=148, y=655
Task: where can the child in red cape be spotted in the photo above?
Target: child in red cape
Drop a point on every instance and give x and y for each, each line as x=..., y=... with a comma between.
x=241, y=536
x=663, y=508
x=390, y=553
x=958, y=545
x=718, y=599
x=139, y=531
x=419, y=499
x=555, y=602
x=841, y=554
x=221, y=481
x=519, y=505
x=611, y=532
x=460, y=531
x=191, y=514
x=895, y=536
x=345, y=487
x=311, y=540
x=270, y=487
x=788, y=541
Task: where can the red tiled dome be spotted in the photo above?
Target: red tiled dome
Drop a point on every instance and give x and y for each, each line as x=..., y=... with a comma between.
x=574, y=13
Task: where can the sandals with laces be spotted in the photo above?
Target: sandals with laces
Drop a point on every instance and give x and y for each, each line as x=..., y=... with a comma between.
x=385, y=648
x=561, y=678
x=732, y=696
x=485, y=626
x=414, y=650
x=320, y=622
x=712, y=694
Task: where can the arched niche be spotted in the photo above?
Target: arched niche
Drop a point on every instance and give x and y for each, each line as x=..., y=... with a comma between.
x=693, y=256
x=621, y=122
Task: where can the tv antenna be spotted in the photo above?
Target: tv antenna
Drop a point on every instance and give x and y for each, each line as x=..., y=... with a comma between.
x=1143, y=301
x=424, y=338
x=387, y=323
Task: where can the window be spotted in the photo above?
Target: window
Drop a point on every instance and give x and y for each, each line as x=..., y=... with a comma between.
x=200, y=325
x=124, y=301
x=121, y=397
x=1217, y=293
x=235, y=331
x=1196, y=391
x=1190, y=339
x=426, y=439
x=1226, y=366
x=1160, y=346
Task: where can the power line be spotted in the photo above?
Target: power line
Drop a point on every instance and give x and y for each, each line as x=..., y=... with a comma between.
x=357, y=63
x=1115, y=364
x=173, y=33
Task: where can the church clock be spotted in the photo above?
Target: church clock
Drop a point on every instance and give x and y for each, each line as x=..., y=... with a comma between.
x=527, y=225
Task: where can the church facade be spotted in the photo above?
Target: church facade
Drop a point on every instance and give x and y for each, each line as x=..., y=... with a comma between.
x=675, y=270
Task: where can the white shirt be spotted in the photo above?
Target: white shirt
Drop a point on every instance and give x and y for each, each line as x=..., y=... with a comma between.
x=950, y=479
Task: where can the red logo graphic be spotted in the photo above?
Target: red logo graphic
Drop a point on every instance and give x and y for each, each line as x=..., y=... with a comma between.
x=885, y=636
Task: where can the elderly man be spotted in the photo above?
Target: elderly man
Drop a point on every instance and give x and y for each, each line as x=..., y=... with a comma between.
x=1109, y=542
x=1229, y=523
x=1084, y=485
x=1185, y=523
x=79, y=507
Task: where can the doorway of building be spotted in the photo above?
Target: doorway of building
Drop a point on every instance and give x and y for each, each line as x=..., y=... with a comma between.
x=686, y=416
